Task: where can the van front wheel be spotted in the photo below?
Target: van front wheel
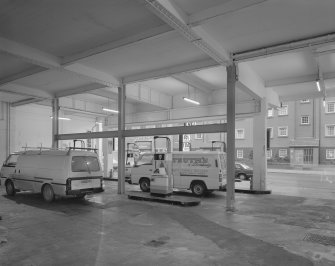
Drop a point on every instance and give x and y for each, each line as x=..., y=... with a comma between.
x=10, y=189
x=199, y=189
x=48, y=193
x=145, y=184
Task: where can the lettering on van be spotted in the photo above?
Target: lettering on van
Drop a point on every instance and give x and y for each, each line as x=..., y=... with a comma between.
x=202, y=162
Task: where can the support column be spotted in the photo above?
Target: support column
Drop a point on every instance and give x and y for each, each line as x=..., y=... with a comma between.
x=231, y=80
x=8, y=116
x=258, y=181
x=121, y=138
x=55, y=122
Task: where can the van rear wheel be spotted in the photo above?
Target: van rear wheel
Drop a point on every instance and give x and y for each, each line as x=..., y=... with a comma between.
x=48, y=193
x=145, y=184
x=199, y=189
x=10, y=189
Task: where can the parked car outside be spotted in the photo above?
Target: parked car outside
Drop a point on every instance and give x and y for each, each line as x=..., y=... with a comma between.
x=243, y=171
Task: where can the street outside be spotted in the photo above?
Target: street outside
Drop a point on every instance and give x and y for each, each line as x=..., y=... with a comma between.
x=317, y=184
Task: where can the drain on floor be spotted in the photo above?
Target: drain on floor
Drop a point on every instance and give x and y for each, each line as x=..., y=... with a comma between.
x=320, y=239
x=157, y=243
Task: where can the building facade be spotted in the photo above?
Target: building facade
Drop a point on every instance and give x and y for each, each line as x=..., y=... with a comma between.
x=302, y=133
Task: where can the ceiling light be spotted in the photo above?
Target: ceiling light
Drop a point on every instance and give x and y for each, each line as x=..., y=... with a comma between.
x=110, y=110
x=190, y=101
x=318, y=85
x=324, y=102
x=62, y=118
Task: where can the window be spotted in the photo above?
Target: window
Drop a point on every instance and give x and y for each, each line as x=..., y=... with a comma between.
x=85, y=164
x=282, y=131
x=305, y=101
x=330, y=107
x=198, y=136
x=269, y=154
x=330, y=130
x=239, y=133
x=283, y=110
x=239, y=154
x=270, y=112
x=304, y=120
x=282, y=153
x=271, y=132
x=330, y=154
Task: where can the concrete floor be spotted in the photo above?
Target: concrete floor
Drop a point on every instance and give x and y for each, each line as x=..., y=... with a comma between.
x=110, y=229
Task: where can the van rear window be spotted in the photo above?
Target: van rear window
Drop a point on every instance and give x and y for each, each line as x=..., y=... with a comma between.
x=85, y=164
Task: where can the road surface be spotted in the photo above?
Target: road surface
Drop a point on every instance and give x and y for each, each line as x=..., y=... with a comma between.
x=294, y=184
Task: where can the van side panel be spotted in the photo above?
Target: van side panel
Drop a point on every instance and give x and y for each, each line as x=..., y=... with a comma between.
x=189, y=167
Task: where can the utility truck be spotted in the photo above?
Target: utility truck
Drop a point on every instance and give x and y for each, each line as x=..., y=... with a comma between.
x=201, y=172
x=75, y=171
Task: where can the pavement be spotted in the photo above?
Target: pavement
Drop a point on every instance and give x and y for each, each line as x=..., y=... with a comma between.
x=318, y=170
x=110, y=229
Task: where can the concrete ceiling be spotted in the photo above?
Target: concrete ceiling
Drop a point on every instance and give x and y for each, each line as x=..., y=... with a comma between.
x=165, y=49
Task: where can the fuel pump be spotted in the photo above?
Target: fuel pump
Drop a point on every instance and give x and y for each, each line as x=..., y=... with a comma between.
x=161, y=180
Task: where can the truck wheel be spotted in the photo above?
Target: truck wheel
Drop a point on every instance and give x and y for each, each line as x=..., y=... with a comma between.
x=198, y=189
x=10, y=189
x=145, y=184
x=48, y=193
x=242, y=177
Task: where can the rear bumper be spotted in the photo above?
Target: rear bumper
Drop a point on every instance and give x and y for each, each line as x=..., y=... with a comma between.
x=84, y=191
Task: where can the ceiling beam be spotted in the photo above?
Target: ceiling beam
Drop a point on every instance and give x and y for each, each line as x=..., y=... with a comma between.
x=299, y=96
x=26, y=91
x=24, y=102
x=29, y=54
x=169, y=71
x=166, y=11
x=228, y=7
x=296, y=80
x=292, y=46
x=26, y=73
x=131, y=40
x=213, y=128
x=194, y=81
x=79, y=90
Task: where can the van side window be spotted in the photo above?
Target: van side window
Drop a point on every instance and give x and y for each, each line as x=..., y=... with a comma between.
x=85, y=164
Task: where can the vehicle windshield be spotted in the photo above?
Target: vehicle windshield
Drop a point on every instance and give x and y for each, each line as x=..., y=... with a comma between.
x=245, y=166
x=12, y=159
x=85, y=164
x=145, y=159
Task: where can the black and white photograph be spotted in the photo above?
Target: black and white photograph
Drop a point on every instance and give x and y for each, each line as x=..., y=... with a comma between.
x=167, y=132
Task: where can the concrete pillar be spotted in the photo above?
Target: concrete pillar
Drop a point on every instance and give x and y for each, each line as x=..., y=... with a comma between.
x=258, y=181
x=105, y=156
x=8, y=117
x=55, y=122
x=121, y=138
x=231, y=80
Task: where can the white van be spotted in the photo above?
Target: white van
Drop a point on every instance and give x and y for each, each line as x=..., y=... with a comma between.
x=55, y=172
x=202, y=172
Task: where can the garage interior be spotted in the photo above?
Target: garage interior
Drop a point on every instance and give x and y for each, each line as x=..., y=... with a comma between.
x=122, y=69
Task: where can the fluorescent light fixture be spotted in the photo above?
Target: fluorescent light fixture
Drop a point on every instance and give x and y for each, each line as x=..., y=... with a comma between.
x=62, y=118
x=190, y=101
x=110, y=110
x=318, y=85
